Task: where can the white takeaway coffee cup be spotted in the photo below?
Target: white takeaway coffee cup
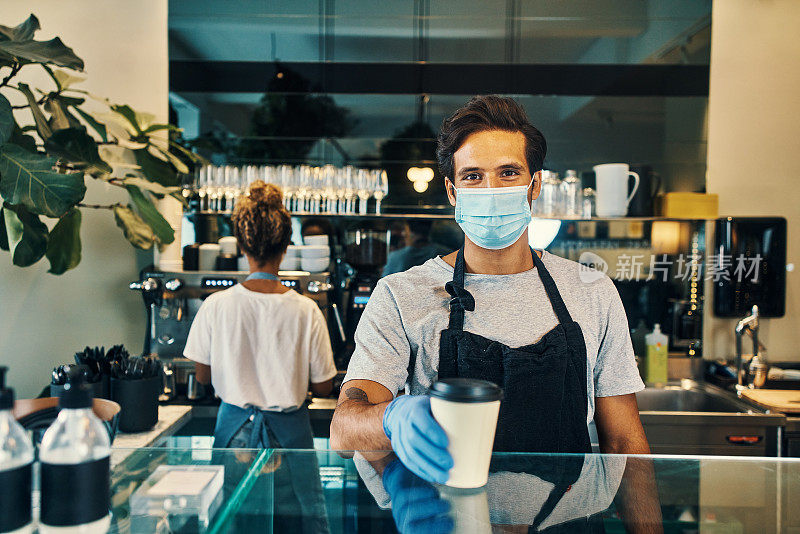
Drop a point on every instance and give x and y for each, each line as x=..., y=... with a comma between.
x=467, y=410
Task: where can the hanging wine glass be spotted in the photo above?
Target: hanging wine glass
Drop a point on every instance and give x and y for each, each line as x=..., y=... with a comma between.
x=350, y=189
x=217, y=188
x=363, y=189
x=203, y=174
x=381, y=188
x=328, y=177
x=303, y=177
x=286, y=177
x=340, y=181
x=231, y=186
x=315, y=188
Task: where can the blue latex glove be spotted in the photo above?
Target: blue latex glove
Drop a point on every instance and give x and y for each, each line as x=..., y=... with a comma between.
x=417, y=438
x=416, y=505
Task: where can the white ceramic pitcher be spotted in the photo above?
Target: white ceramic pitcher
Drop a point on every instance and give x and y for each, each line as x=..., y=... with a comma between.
x=612, y=189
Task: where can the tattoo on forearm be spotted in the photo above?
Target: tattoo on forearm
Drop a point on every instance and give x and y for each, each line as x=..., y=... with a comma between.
x=356, y=394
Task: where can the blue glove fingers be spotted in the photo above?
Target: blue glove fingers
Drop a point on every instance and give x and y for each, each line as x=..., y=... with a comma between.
x=437, y=525
x=421, y=466
x=432, y=451
x=427, y=425
x=423, y=515
x=429, y=506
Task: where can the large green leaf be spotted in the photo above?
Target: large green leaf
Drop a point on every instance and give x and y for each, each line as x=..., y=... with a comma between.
x=6, y=120
x=155, y=169
x=66, y=79
x=53, y=52
x=135, y=229
x=158, y=190
x=19, y=138
x=38, y=117
x=156, y=127
x=27, y=235
x=191, y=156
x=22, y=32
x=3, y=233
x=69, y=100
x=77, y=147
x=58, y=116
x=165, y=155
x=64, y=244
x=161, y=228
x=129, y=115
x=96, y=126
x=29, y=179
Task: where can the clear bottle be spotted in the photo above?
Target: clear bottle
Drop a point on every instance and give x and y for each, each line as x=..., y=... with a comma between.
x=571, y=196
x=589, y=203
x=16, y=465
x=657, y=357
x=547, y=205
x=74, y=453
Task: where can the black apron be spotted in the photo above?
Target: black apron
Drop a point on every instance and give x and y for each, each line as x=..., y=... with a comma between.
x=545, y=395
x=562, y=472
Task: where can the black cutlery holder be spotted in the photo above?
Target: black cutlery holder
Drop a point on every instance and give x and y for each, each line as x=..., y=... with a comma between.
x=139, y=402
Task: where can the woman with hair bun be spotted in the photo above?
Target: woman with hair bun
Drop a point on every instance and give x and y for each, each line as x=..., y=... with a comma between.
x=259, y=343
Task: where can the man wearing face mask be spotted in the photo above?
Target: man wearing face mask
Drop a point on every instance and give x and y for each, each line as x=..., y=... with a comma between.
x=495, y=310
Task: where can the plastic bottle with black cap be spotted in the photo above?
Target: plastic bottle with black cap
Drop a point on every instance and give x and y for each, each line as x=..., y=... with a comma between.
x=74, y=456
x=16, y=465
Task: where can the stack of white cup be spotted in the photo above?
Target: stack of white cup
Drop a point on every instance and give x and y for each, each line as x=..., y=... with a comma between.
x=315, y=255
x=291, y=261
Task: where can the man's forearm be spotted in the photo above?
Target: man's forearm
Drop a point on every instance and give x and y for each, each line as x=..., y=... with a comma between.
x=637, y=498
x=357, y=425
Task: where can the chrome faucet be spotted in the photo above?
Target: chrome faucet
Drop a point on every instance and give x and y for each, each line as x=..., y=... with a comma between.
x=754, y=369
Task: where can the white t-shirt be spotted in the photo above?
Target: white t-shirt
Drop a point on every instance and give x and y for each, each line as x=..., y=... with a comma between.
x=263, y=348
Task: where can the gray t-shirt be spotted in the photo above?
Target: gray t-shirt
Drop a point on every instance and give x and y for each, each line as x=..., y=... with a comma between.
x=408, y=310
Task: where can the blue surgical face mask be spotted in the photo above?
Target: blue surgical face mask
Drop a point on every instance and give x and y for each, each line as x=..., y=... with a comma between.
x=493, y=217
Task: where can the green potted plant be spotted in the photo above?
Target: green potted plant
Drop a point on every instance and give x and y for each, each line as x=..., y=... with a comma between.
x=43, y=166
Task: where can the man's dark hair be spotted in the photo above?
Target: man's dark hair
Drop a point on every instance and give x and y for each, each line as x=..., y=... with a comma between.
x=482, y=113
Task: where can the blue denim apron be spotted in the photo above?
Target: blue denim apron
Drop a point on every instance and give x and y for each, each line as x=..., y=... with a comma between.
x=296, y=484
x=291, y=430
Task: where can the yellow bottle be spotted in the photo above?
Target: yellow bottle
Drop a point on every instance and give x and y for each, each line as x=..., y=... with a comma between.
x=656, y=356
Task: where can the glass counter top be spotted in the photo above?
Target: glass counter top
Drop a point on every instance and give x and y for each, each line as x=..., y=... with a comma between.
x=299, y=491
x=245, y=490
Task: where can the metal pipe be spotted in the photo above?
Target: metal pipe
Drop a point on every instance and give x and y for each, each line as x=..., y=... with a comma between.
x=747, y=325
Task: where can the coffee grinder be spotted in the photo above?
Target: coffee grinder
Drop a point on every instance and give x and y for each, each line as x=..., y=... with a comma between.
x=365, y=251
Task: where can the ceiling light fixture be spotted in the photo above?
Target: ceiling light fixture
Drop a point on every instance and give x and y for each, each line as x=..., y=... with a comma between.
x=420, y=177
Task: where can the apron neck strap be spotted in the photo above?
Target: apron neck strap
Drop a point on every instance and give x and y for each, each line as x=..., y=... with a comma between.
x=462, y=300
x=551, y=289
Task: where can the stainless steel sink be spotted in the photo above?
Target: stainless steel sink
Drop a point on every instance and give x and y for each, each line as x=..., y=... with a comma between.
x=689, y=417
x=690, y=396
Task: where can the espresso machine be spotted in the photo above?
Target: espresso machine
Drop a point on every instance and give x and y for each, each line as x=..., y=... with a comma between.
x=173, y=298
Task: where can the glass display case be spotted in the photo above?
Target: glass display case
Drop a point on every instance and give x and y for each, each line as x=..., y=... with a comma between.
x=321, y=491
